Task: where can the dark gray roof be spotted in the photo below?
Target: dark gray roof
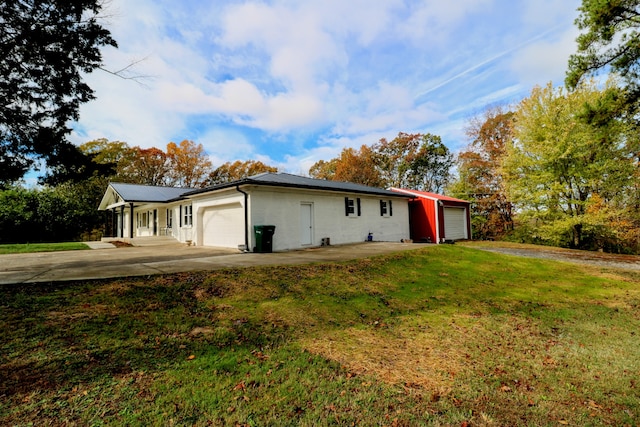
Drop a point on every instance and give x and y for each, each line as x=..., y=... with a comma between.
x=148, y=193
x=295, y=181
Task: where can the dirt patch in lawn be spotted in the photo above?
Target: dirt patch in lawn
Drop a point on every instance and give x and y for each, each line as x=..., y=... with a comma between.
x=417, y=361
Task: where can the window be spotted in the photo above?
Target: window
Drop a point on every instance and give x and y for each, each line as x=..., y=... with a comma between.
x=352, y=207
x=386, y=208
x=169, y=218
x=188, y=215
x=142, y=220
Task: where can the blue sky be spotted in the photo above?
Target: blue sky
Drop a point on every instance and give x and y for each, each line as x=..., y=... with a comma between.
x=293, y=82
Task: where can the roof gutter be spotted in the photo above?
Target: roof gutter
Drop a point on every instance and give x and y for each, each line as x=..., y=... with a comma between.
x=246, y=218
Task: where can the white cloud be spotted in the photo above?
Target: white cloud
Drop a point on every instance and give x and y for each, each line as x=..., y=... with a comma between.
x=435, y=20
x=224, y=144
x=544, y=59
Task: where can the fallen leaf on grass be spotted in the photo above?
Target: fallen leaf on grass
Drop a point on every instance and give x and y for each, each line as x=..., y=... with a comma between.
x=191, y=357
x=594, y=405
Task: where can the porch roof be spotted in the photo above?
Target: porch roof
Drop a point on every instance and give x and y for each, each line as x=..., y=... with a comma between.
x=119, y=193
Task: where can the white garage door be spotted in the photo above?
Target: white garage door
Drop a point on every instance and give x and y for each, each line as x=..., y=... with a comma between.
x=223, y=226
x=455, y=224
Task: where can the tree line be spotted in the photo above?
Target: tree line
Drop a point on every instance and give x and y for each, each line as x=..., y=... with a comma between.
x=66, y=209
x=181, y=165
x=554, y=171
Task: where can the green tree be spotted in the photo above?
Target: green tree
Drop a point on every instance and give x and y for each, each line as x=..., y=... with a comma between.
x=18, y=209
x=416, y=161
x=561, y=166
x=323, y=169
x=610, y=39
x=115, y=153
x=67, y=212
x=431, y=166
x=45, y=47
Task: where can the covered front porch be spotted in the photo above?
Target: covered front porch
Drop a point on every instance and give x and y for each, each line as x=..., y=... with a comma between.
x=134, y=211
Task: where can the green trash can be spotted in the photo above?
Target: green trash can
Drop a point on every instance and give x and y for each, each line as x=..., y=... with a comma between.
x=264, y=238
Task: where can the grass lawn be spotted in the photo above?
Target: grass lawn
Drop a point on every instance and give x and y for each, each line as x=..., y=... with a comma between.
x=444, y=335
x=41, y=247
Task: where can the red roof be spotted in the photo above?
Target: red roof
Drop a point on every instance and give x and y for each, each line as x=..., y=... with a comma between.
x=427, y=195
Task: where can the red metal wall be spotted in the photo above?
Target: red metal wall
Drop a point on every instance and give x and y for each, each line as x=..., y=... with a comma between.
x=423, y=220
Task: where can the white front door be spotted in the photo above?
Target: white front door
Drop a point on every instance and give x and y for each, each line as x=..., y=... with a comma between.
x=306, y=224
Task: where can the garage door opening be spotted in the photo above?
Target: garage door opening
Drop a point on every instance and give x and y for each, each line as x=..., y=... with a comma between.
x=455, y=223
x=223, y=226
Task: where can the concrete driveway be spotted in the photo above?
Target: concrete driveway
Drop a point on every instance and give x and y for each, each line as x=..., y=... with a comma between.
x=167, y=258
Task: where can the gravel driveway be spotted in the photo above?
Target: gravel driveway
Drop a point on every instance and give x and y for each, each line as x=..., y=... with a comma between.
x=598, y=259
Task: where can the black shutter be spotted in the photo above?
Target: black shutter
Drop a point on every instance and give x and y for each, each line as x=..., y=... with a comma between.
x=346, y=206
x=381, y=207
x=359, y=211
x=390, y=208
x=180, y=215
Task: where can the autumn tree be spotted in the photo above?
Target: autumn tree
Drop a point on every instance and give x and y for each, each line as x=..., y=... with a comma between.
x=357, y=166
x=189, y=164
x=237, y=170
x=416, y=161
x=46, y=46
x=148, y=166
x=561, y=167
x=479, y=176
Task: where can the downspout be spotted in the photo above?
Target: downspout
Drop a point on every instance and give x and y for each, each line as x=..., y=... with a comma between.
x=246, y=219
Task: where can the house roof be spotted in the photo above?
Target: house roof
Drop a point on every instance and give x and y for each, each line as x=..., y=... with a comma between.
x=134, y=193
x=427, y=195
x=294, y=181
x=140, y=194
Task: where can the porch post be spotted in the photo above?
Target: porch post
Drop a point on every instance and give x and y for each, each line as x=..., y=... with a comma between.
x=121, y=231
x=131, y=221
x=114, y=223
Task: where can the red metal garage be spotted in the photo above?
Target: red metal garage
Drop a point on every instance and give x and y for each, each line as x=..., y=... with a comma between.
x=437, y=218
